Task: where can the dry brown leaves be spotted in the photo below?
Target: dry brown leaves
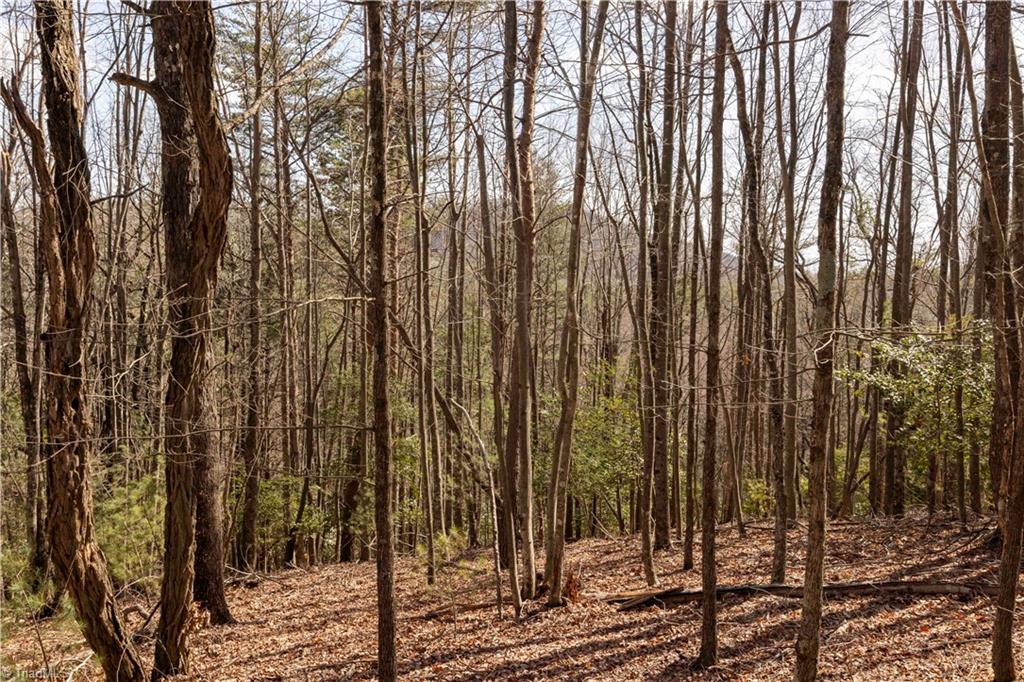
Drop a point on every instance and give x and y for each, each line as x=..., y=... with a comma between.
x=320, y=624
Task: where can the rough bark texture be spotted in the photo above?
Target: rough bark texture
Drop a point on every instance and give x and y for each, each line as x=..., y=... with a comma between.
x=1001, y=71
x=195, y=190
x=378, y=327
x=182, y=401
x=209, y=230
x=68, y=247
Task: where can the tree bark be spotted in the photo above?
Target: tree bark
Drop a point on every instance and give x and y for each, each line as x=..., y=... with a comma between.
x=209, y=227
x=751, y=132
x=518, y=441
x=426, y=415
x=661, y=299
x=641, y=321
x=808, y=641
x=896, y=463
x=387, y=668
x=188, y=324
x=568, y=354
x=696, y=179
x=709, y=627
x=787, y=166
x=27, y=371
x=999, y=46
x=251, y=441
x=68, y=246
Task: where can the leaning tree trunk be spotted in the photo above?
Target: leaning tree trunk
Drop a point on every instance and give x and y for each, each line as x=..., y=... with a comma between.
x=68, y=248
x=824, y=314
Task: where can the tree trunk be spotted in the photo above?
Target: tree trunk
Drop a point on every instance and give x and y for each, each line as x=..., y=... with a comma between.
x=641, y=323
x=251, y=441
x=752, y=132
x=951, y=218
x=507, y=440
x=691, y=351
x=808, y=641
x=209, y=230
x=999, y=46
x=188, y=324
x=787, y=167
x=661, y=300
x=901, y=295
x=68, y=247
x=378, y=324
x=568, y=353
x=709, y=627
x=519, y=152
x=28, y=376
x=492, y=287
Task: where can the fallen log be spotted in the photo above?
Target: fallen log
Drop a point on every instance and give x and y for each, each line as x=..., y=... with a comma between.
x=452, y=610
x=678, y=595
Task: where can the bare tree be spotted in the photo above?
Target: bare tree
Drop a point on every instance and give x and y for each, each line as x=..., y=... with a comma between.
x=568, y=364
x=808, y=640
x=519, y=152
x=379, y=340
x=709, y=578
x=196, y=191
x=661, y=300
x=251, y=441
x=67, y=243
x=28, y=368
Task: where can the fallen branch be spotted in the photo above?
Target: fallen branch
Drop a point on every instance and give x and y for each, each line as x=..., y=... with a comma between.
x=453, y=610
x=633, y=600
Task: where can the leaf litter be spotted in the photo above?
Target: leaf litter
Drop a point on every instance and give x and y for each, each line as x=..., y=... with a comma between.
x=320, y=623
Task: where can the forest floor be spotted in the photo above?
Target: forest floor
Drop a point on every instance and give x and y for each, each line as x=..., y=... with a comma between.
x=320, y=623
